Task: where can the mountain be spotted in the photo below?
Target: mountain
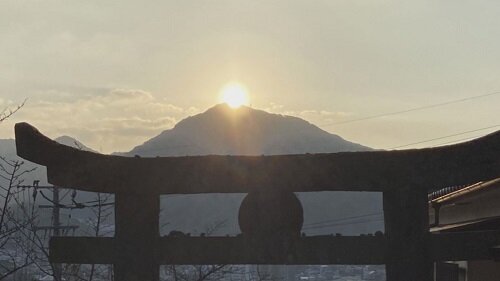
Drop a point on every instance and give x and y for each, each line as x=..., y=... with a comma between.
x=8, y=146
x=69, y=141
x=244, y=131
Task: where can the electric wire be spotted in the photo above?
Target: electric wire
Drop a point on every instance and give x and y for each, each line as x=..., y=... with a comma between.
x=444, y=137
x=342, y=219
x=342, y=224
x=411, y=109
x=458, y=141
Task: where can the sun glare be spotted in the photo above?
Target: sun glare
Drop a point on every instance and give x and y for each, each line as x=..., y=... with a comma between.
x=234, y=95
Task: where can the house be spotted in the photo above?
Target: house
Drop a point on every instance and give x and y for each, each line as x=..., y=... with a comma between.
x=474, y=207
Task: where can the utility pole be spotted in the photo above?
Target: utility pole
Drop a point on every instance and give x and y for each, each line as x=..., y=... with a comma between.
x=56, y=211
x=55, y=228
x=56, y=224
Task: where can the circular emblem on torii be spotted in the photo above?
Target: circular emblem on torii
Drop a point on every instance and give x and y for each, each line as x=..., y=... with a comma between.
x=270, y=214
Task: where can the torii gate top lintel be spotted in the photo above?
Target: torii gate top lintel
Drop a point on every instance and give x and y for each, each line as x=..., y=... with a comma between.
x=350, y=171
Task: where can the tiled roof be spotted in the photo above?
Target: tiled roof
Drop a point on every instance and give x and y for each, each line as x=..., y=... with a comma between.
x=456, y=191
x=444, y=191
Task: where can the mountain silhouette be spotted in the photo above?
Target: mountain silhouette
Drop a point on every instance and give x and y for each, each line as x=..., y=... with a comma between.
x=223, y=130
x=69, y=141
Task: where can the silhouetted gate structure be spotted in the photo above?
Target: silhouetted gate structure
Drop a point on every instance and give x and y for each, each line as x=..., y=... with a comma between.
x=404, y=177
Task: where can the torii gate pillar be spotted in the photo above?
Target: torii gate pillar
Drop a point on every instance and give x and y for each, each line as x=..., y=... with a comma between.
x=137, y=237
x=407, y=229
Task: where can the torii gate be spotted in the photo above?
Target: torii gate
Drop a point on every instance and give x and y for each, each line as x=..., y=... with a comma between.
x=404, y=178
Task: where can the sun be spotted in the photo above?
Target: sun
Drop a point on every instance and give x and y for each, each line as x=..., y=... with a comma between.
x=234, y=94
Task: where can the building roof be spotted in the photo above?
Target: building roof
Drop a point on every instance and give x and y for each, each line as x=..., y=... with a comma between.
x=451, y=193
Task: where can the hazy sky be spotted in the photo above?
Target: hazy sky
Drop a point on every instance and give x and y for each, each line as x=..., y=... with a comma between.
x=115, y=73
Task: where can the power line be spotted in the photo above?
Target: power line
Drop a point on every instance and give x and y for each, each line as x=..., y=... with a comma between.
x=411, y=109
x=343, y=219
x=342, y=224
x=459, y=140
x=448, y=136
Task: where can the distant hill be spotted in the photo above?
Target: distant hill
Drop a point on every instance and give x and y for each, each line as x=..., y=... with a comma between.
x=69, y=141
x=8, y=146
x=244, y=131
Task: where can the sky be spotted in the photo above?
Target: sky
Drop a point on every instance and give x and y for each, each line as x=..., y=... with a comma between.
x=115, y=73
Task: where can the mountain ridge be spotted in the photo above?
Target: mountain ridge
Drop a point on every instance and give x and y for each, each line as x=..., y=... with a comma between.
x=70, y=141
x=222, y=130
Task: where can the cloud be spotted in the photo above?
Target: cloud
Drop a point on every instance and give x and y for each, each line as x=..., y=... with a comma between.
x=108, y=121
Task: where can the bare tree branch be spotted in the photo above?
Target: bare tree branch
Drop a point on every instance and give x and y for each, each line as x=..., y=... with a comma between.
x=8, y=112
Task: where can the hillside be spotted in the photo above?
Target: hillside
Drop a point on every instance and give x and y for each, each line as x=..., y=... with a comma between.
x=243, y=131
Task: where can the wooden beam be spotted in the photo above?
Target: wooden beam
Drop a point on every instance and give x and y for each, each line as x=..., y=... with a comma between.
x=308, y=250
x=136, y=237
x=228, y=250
x=357, y=171
x=458, y=246
x=82, y=250
x=476, y=245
